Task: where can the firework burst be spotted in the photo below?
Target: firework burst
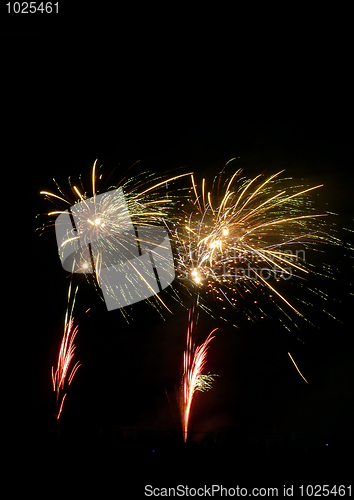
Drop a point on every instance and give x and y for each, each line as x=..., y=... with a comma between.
x=103, y=221
x=148, y=197
x=194, y=360
x=246, y=235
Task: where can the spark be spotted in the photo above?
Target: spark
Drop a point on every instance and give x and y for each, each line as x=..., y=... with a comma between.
x=297, y=367
x=246, y=227
x=47, y=193
x=78, y=193
x=194, y=360
x=94, y=178
x=149, y=286
x=147, y=202
x=195, y=191
x=61, y=376
x=279, y=294
x=164, y=182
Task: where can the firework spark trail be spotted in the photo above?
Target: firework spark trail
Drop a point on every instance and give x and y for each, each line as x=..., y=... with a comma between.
x=193, y=380
x=149, y=201
x=221, y=241
x=137, y=196
x=297, y=368
x=61, y=376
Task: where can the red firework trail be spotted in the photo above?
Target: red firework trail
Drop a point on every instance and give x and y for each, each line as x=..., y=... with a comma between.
x=194, y=360
x=66, y=354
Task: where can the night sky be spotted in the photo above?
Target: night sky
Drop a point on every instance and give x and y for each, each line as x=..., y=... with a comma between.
x=71, y=110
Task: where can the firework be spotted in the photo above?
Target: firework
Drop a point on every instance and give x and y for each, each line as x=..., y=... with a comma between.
x=246, y=235
x=105, y=228
x=297, y=368
x=193, y=379
x=148, y=197
x=61, y=376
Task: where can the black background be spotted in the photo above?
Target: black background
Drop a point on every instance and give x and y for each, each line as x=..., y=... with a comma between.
x=72, y=98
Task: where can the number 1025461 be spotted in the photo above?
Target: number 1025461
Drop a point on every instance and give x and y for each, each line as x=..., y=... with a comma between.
x=325, y=490
x=32, y=7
